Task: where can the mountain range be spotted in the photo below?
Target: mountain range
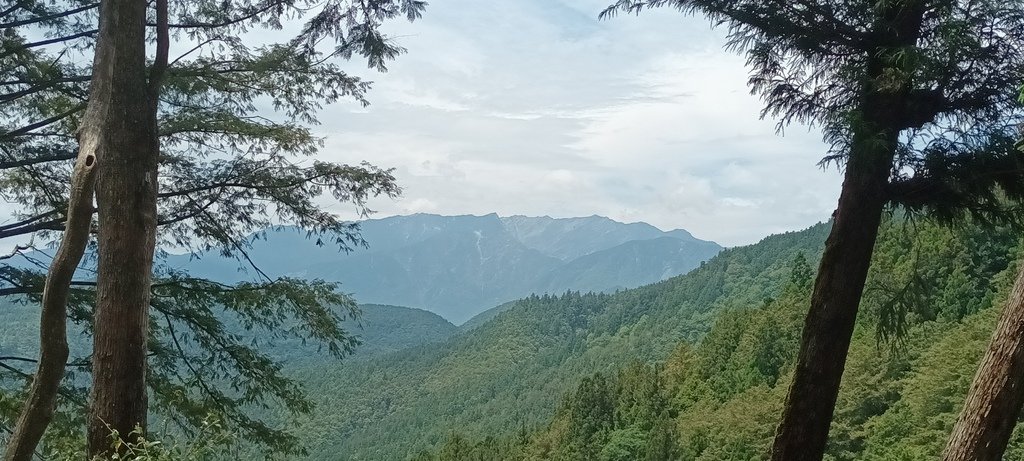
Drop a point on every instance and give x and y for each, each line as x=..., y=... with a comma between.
x=506, y=369
x=460, y=266
x=697, y=365
x=379, y=329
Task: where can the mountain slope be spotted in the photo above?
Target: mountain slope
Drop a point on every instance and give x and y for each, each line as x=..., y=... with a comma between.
x=380, y=329
x=570, y=238
x=511, y=370
x=721, y=399
x=630, y=264
x=385, y=329
x=458, y=266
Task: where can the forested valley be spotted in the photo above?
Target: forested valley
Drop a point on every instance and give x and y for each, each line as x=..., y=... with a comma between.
x=192, y=266
x=711, y=387
x=695, y=367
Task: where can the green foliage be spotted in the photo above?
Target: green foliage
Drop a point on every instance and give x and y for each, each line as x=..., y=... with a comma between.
x=933, y=272
x=719, y=399
x=210, y=442
x=228, y=170
x=510, y=372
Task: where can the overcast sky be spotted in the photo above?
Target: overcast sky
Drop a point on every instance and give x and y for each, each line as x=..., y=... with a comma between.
x=535, y=107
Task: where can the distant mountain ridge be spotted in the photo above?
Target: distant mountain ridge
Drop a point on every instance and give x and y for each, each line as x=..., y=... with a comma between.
x=570, y=238
x=509, y=367
x=459, y=266
x=380, y=330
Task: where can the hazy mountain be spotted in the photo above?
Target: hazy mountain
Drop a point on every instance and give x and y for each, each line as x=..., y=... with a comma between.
x=631, y=264
x=459, y=266
x=570, y=238
x=384, y=329
x=381, y=330
x=508, y=367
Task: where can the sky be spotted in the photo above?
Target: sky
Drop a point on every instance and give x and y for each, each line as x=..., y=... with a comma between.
x=536, y=107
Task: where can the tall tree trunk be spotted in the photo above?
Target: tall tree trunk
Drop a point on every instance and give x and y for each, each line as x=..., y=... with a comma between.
x=126, y=185
x=994, y=402
x=803, y=433
x=53, y=340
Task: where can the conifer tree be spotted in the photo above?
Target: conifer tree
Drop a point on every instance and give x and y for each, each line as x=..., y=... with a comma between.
x=225, y=172
x=996, y=396
x=994, y=402
x=917, y=100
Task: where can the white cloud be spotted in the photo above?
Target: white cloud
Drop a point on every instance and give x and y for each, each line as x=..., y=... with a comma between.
x=536, y=107
x=420, y=205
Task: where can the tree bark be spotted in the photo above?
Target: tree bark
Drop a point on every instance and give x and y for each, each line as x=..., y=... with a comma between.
x=803, y=433
x=829, y=325
x=53, y=341
x=126, y=186
x=994, y=401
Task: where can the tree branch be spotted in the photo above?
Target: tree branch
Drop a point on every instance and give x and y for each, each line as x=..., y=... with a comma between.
x=163, y=43
x=228, y=22
x=35, y=160
x=41, y=123
x=38, y=19
x=53, y=342
x=51, y=41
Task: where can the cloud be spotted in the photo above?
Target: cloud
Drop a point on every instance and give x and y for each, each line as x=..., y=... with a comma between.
x=535, y=107
x=420, y=205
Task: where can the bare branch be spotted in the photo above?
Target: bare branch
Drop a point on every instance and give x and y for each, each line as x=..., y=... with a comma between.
x=36, y=20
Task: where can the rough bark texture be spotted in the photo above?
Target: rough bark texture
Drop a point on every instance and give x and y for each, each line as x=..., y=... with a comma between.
x=53, y=340
x=994, y=402
x=126, y=202
x=829, y=326
x=803, y=433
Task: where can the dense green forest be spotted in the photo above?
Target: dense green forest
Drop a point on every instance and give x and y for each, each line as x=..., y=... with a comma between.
x=131, y=129
x=692, y=368
x=379, y=329
x=511, y=371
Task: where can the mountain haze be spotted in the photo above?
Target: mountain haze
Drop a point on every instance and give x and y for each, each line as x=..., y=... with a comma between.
x=718, y=398
x=570, y=238
x=511, y=367
x=459, y=266
x=380, y=329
